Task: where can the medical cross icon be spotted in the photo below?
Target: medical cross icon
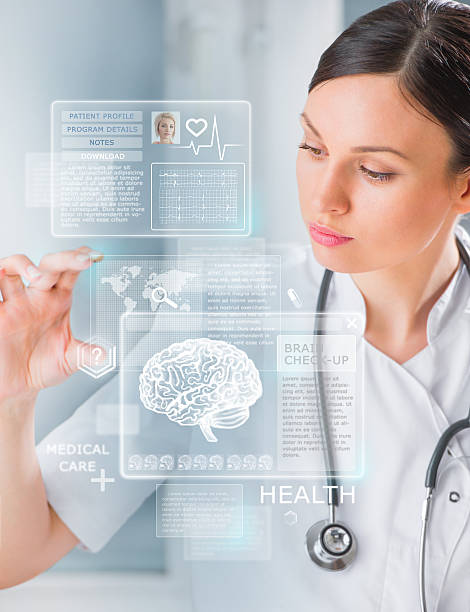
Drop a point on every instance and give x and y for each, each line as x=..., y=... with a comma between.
x=102, y=480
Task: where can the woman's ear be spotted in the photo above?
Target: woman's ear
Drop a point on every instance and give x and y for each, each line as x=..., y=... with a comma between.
x=462, y=192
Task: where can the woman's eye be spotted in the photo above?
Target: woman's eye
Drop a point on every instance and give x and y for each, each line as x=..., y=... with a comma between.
x=375, y=177
x=304, y=145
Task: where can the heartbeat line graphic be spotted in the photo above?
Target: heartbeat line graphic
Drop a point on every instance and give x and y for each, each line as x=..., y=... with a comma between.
x=215, y=135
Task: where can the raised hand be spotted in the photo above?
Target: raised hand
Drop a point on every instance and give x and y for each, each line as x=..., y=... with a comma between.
x=37, y=348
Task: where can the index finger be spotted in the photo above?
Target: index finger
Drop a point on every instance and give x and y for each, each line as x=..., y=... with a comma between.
x=68, y=279
x=54, y=265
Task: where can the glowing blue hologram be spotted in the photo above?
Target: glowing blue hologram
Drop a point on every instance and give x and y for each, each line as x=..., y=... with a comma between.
x=147, y=168
x=151, y=462
x=194, y=122
x=214, y=137
x=100, y=362
x=265, y=463
x=102, y=480
x=249, y=462
x=119, y=283
x=234, y=462
x=145, y=284
x=290, y=518
x=216, y=462
x=204, y=382
x=184, y=462
x=199, y=196
x=200, y=462
x=294, y=298
x=167, y=463
x=160, y=295
x=135, y=462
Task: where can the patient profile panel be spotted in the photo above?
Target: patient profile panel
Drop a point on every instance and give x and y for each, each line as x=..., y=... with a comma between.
x=150, y=168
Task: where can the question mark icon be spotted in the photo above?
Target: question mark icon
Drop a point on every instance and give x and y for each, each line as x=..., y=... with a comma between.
x=96, y=357
x=96, y=352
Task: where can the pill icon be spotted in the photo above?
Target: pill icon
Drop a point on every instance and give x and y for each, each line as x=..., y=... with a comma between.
x=294, y=298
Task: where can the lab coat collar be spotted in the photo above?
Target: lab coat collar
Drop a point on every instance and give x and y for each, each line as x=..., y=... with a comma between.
x=344, y=296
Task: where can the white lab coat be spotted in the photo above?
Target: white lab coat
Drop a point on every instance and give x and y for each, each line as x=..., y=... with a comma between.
x=406, y=408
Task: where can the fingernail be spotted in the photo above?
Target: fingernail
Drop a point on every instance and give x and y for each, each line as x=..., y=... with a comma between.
x=32, y=272
x=82, y=257
x=95, y=255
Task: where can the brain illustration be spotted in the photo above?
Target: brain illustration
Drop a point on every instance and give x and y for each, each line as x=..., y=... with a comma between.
x=204, y=382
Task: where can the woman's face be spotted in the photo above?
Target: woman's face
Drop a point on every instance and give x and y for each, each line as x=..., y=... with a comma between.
x=166, y=128
x=392, y=205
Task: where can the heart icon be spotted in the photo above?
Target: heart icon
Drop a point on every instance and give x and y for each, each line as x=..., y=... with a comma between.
x=195, y=122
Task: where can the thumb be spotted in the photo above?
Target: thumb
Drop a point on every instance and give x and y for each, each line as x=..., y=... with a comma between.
x=81, y=353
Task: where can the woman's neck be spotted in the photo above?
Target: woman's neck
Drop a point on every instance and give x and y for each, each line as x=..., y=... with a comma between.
x=399, y=298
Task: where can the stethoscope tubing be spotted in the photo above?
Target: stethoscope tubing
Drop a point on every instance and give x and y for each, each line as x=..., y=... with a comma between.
x=439, y=450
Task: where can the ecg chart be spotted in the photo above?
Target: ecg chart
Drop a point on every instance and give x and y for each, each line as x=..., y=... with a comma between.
x=215, y=138
x=127, y=183
x=197, y=195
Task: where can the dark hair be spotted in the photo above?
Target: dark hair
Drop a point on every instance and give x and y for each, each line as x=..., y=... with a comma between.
x=426, y=44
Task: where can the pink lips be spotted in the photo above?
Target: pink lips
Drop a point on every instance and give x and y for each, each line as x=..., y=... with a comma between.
x=325, y=236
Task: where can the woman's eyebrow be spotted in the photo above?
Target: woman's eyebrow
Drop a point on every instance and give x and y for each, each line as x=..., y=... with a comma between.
x=359, y=149
x=309, y=124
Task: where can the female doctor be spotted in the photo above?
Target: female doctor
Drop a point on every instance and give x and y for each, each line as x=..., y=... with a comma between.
x=383, y=173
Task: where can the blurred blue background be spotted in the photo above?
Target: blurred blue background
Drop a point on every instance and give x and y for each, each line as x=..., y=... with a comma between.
x=150, y=49
x=264, y=51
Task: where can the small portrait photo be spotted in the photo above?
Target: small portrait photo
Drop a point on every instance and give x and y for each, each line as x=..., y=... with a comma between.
x=165, y=127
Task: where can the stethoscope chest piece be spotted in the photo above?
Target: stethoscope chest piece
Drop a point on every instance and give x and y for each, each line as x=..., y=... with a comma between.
x=331, y=545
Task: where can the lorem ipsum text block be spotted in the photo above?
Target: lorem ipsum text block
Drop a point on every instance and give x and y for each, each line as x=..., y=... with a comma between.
x=150, y=168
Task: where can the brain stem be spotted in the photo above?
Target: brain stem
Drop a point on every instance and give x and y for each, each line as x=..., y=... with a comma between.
x=206, y=430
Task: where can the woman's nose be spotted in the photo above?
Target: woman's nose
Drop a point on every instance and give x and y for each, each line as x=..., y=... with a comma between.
x=329, y=194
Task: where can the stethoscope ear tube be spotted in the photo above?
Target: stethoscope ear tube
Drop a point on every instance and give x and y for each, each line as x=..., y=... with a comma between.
x=325, y=429
x=441, y=446
x=452, y=430
x=431, y=477
x=329, y=543
x=431, y=473
x=463, y=253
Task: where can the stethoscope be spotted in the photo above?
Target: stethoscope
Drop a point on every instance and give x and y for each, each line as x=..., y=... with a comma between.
x=330, y=543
